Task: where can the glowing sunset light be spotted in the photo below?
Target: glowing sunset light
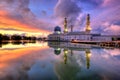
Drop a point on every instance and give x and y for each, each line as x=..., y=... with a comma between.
x=36, y=34
x=11, y=55
x=6, y=55
x=11, y=26
x=11, y=46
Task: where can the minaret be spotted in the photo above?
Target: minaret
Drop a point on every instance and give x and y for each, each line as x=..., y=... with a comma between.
x=65, y=26
x=88, y=55
x=71, y=52
x=88, y=28
x=71, y=28
x=65, y=55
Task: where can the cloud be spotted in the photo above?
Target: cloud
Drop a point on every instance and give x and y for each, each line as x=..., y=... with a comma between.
x=93, y=3
x=112, y=28
x=104, y=16
x=8, y=23
x=44, y=13
x=17, y=15
x=110, y=3
x=101, y=12
x=69, y=9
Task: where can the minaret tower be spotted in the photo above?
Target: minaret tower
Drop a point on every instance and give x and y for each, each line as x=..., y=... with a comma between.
x=71, y=28
x=65, y=55
x=88, y=28
x=65, y=26
x=88, y=55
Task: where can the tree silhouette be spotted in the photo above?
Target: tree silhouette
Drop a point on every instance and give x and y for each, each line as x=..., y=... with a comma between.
x=0, y=37
x=16, y=37
x=5, y=37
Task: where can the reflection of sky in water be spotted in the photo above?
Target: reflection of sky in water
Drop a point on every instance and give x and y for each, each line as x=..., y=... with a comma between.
x=41, y=63
x=42, y=70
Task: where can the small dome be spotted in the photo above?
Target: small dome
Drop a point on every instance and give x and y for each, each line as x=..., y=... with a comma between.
x=57, y=28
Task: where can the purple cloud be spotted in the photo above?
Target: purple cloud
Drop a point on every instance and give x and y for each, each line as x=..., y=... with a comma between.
x=102, y=12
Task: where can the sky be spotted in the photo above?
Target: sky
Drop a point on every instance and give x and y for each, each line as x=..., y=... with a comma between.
x=41, y=16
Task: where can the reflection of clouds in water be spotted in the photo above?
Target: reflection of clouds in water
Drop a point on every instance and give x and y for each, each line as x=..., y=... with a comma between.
x=99, y=53
x=10, y=46
x=105, y=56
x=79, y=59
x=113, y=52
x=70, y=70
x=109, y=53
x=39, y=62
x=42, y=70
x=105, y=63
x=75, y=68
x=15, y=62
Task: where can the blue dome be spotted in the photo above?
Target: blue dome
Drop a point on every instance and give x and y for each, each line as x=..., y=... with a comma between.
x=57, y=51
x=57, y=28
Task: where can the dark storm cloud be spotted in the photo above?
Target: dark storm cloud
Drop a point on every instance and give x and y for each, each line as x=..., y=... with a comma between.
x=69, y=9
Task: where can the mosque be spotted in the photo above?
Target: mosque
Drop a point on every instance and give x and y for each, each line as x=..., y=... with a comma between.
x=84, y=36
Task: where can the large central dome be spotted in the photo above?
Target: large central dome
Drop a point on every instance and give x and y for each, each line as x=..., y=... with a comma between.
x=57, y=28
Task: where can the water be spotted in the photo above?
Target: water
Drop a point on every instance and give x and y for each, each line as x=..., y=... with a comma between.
x=58, y=61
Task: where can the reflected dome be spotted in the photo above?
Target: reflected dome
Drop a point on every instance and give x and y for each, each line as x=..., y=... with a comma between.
x=57, y=51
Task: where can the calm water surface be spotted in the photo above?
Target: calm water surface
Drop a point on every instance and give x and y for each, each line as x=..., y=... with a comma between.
x=58, y=61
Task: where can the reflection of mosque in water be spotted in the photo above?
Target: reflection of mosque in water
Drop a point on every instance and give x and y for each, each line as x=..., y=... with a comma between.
x=69, y=48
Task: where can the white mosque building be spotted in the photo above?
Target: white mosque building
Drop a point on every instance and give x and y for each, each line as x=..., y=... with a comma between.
x=82, y=36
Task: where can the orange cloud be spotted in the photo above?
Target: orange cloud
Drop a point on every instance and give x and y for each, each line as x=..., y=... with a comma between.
x=9, y=23
x=3, y=13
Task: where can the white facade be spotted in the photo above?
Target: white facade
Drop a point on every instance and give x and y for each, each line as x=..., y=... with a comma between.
x=102, y=38
x=80, y=36
x=70, y=36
